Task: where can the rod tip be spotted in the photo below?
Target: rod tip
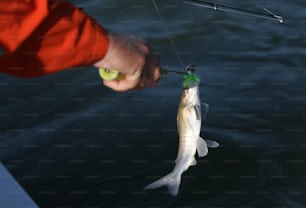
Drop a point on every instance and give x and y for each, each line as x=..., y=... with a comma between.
x=280, y=19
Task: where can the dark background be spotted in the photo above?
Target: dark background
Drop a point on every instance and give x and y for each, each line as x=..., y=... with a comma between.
x=71, y=142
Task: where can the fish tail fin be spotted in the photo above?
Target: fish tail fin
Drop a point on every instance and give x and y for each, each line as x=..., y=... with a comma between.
x=171, y=181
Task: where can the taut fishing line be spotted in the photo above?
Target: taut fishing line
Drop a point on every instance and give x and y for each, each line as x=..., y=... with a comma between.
x=167, y=33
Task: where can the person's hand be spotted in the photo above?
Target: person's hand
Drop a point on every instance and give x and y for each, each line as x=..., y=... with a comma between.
x=134, y=59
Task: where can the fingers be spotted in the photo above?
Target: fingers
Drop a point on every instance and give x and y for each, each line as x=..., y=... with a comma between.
x=150, y=72
x=119, y=86
x=134, y=59
x=145, y=76
x=149, y=77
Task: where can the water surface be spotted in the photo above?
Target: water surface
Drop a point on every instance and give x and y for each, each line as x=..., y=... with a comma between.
x=73, y=143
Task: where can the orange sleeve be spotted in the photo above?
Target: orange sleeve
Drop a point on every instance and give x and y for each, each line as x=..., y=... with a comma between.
x=41, y=37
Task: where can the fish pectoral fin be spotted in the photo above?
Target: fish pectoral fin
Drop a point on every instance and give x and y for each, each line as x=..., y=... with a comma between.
x=201, y=147
x=211, y=143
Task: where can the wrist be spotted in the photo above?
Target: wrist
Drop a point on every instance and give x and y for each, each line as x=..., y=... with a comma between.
x=101, y=44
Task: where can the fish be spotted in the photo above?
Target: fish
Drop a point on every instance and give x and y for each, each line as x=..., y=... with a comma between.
x=189, y=120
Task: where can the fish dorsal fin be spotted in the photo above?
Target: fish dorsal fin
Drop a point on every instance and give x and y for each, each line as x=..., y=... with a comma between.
x=201, y=147
x=205, y=108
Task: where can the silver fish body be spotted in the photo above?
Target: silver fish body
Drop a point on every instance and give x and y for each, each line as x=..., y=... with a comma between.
x=189, y=118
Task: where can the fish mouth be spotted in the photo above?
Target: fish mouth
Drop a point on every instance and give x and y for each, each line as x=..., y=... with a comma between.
x=189, y=69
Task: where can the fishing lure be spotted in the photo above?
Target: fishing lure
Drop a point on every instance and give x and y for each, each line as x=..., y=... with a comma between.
x=190, y=78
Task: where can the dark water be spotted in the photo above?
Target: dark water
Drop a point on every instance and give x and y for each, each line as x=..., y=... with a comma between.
x=73, y=143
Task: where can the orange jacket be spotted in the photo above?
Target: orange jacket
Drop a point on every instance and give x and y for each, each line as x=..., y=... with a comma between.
x=42, y=37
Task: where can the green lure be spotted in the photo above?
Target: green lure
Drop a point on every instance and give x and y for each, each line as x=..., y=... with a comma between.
x=190, y=80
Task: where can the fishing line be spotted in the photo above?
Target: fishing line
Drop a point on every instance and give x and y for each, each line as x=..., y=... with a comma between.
x=167, y=33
